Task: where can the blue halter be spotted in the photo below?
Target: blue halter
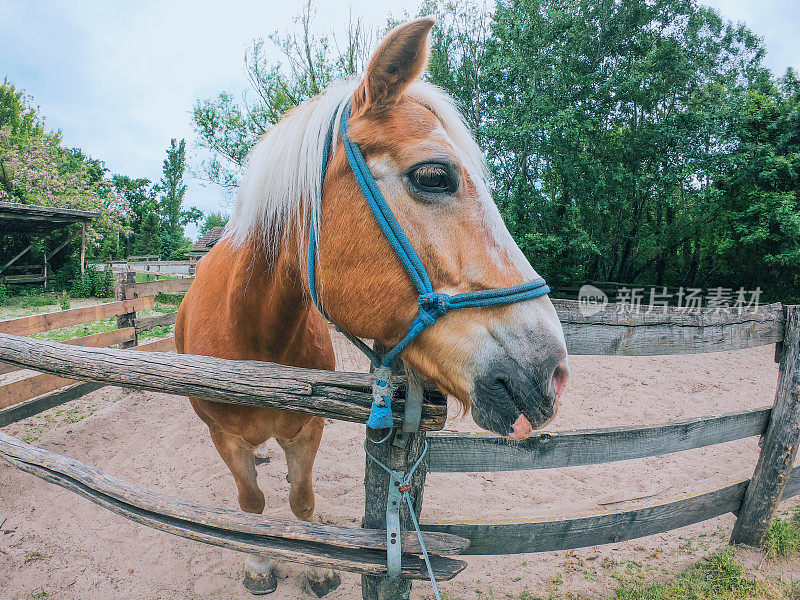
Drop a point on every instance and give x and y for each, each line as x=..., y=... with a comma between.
x=432, y=305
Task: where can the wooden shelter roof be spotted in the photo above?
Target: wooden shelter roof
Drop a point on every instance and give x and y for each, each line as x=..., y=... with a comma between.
x=207, y=241
x=39, y=220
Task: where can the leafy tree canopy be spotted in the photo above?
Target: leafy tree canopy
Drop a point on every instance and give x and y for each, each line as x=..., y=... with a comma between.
x=229, y=126
x=214, y=219
x=636, y=142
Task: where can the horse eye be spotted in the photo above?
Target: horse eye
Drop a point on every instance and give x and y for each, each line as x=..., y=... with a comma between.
x=434, y=178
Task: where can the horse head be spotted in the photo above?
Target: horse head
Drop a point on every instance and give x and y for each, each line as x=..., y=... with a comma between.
x=509, y=362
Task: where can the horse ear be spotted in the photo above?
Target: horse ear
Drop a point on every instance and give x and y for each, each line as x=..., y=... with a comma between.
x=398, y=62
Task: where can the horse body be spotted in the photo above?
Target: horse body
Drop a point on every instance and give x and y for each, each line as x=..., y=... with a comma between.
x=250, y=298
x=238, y=309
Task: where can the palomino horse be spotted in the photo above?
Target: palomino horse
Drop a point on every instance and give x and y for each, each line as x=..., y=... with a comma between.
x=250, y=299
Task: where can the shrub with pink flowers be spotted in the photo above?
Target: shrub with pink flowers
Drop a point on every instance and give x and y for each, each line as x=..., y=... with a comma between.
x=33, y=171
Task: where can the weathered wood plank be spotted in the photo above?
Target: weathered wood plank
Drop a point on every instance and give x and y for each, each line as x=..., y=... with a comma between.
x=154, y=263
x=104, y=338
x=400, y=452
x=29, y=397
x=162, y=286
x=30, y=387
x=346, y=548
x=36, y=385
x=165, y=345
x=128, y=319
x=376, y=485
x=631, y=333
x=779, y=446
x=344, y=396
x=461, y=452
x=153, y=272
x=519, y=536
x=74, y=316
x=147, y=323
x=29, y=408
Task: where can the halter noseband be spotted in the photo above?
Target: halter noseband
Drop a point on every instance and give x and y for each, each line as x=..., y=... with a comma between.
x=432, y=305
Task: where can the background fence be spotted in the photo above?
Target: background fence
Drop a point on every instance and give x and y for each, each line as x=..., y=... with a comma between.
x=347, y=396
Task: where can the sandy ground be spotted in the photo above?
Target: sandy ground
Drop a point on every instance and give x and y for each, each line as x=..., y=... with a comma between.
x=55, y=544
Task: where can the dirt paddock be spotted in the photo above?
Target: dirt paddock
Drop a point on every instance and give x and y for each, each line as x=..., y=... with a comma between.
x=54, y=544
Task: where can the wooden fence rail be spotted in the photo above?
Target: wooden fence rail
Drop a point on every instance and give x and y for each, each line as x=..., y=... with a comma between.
x=344, y=396
x=162, y=286
x=619, y=330
x=480, y=452
x=74, y=316
x=28, y=395
x=345, y=548
x=347, y=396
x=519, y=536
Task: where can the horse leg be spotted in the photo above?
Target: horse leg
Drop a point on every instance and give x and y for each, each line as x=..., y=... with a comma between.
x=300, y=453
x=238, y=455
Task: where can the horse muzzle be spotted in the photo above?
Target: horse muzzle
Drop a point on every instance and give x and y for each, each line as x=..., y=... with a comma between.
x=512, y=398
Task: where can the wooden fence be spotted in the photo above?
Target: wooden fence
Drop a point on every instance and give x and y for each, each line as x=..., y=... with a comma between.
x=31, y=395
x=346, y=396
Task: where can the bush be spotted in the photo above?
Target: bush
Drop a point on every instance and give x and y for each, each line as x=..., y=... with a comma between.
x=99, y=284
x=42, y=300
x=65, y=305
x=81, y=286
x=65, y=276
x=103, y=284
x=3, y=293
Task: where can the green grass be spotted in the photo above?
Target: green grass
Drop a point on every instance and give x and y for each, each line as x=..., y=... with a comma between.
x=37, y=300
x=783, y=536
x=718, y=577
x=67, y=333
x=36, y=426
x=170, y=299
x=160, y=331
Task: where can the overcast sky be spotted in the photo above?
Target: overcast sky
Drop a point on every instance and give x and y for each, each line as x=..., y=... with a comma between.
x=120, y=78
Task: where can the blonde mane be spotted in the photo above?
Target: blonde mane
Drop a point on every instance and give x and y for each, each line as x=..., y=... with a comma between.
x=282, y=182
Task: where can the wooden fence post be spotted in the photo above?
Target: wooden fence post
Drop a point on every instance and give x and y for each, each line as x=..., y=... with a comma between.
x=128, y=319
x=779, y=444
x=399, y=452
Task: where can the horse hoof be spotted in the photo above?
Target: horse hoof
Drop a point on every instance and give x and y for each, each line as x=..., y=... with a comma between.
x=324, y=586
x=258, y=584
x=262, y=454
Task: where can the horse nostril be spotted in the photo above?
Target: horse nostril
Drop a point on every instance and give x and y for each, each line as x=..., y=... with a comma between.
x=560, y=376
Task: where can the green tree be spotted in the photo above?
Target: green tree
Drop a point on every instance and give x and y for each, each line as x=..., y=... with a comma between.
x=756, y=240
x=148, y=236
x=36, y=169
x=172, y=190
x=18, y=114
x=639, y=141
x=214, y=219
x=228, y=127
x=605, y=125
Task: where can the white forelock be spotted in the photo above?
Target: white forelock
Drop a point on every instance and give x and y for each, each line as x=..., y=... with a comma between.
x=283, y=172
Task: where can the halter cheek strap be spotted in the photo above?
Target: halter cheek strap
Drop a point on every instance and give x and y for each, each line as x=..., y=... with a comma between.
x=432, y=305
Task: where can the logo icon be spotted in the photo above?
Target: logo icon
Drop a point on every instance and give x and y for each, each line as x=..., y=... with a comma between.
x=591, y=300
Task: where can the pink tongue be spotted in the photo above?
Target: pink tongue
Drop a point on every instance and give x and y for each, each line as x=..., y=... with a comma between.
x=522, y=429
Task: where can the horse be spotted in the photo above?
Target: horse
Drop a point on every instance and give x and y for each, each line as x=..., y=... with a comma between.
x=250, y=299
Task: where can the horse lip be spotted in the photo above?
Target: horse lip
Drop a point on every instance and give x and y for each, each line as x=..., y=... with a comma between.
x=540, y=416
